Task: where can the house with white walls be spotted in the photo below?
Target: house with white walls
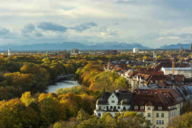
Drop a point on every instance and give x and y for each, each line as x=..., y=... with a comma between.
x=117, y=102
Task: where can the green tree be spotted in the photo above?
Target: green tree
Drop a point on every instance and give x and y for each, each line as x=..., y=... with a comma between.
x=82, y=115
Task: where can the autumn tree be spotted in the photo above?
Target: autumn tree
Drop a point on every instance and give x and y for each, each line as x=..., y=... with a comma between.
x=82, y=115
x=27, y=98
x=183, y=121
x=132, y=119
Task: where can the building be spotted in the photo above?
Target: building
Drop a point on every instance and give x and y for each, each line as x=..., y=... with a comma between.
x=74, y=51
x=181, y=50
x=135, y=50
x=186, y=71
x=159, y=106
x=188, y=50
x=154, y=54
x=9, y=52
x=117, y=102
x=110, y=52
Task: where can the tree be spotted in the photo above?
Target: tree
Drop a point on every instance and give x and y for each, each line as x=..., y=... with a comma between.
x=82, y=115
x=132, y=119
x=183, y=121
x=27, y=98
x=16, y=114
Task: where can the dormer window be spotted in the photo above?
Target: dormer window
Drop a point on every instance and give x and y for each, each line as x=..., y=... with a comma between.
x=136, y=107
x=142, y=107
x=159, y=108
x=113, y=101
x=112, y=96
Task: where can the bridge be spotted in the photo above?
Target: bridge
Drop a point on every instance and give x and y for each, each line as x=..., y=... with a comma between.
x=64, y=76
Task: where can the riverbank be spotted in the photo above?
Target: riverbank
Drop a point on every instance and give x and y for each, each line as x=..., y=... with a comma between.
x=62, y=84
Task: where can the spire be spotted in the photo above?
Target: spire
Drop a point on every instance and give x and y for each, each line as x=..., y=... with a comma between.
x=181, y=50
x=191, y=47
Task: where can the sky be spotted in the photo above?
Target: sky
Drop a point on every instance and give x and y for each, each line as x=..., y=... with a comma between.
x=152, y=23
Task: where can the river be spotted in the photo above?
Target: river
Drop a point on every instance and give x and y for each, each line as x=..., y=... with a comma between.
x=63, y=84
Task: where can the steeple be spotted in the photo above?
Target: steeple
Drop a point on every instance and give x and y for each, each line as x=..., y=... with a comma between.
x=191, y=47
x=181, y=50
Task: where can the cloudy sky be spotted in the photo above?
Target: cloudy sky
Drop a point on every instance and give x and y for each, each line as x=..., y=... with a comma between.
x=152, y=23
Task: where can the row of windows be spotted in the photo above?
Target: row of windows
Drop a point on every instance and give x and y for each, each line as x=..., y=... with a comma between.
x=157, y=114
x=111, y=107
x=173, y=114
x=148, y=108
x=159, y=121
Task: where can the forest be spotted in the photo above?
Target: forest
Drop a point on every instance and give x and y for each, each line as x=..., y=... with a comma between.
x=24, y=102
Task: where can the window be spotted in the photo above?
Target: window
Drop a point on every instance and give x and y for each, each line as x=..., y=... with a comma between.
x=157, y=122
x=99, y=107
x=111, y=107
x=124, y=108
x=99, y=114
x=149, y=108
x=170, y=114
x=157, y=114
x=142, y=107
x=162, y=121
x=118, y=107
x=148, y=114
x=136, y=107
x=162, y=114
x=113, y=101
x=159, y=108
x=112, y=96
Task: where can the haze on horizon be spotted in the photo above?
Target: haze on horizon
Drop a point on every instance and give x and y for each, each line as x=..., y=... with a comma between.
x=152, y=23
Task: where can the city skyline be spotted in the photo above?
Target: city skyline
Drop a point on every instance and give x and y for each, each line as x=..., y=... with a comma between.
x=148, y=22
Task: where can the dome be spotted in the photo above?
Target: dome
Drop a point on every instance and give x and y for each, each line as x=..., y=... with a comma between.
x=125, y=101
x=100, y=101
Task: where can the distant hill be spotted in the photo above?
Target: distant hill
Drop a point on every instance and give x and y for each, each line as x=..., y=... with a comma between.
x=70, y=45
x=176, y=46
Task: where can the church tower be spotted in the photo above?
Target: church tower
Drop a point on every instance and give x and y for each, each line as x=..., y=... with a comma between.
x=181, y=50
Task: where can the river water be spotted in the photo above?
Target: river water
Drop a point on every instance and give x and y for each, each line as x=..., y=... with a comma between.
x=63, y=84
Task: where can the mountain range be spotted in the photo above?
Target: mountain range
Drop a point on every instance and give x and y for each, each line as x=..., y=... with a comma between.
x=71, y=45
x=176, y=46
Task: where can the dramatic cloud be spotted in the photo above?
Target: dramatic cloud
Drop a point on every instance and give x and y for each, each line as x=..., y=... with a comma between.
x=84, y=26
x=28, y=28
x=49, y=26
x=38, y=34
x=3, y=31
x=150, y=22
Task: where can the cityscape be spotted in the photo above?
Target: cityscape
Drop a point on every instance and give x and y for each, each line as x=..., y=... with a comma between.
x=95, y=64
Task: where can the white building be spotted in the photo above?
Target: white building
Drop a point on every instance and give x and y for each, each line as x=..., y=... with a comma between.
x=135, y=50
x=74, y=51
x=186, y=71
x=120, y=101
x=154, y=54
x=9, y=52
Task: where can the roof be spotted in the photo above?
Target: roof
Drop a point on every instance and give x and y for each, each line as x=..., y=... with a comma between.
x=157, y=98
x=178, y=68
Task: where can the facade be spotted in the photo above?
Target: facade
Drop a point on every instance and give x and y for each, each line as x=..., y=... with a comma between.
x=159, y=106
x=117, y=102
x=154, y=54
x=135, y=50
x=9, y=52
x=186, y=71
x=74, y=51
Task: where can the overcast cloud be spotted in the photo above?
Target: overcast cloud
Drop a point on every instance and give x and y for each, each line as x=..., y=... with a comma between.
x=152, y=23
